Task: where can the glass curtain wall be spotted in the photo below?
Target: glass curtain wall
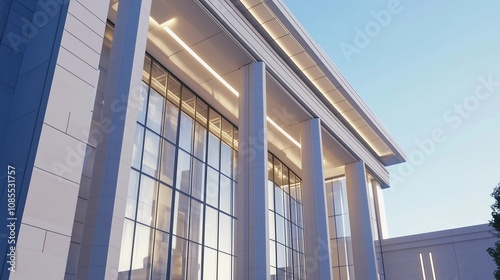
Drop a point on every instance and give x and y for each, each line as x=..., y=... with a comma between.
x=179, y=210
x=340, y=229
x=286, y=229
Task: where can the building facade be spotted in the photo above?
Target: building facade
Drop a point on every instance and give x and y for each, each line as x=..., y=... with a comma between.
x=449, y=254
x=175, y=139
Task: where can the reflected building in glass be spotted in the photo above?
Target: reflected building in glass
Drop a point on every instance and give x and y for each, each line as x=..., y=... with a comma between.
x=185, y=139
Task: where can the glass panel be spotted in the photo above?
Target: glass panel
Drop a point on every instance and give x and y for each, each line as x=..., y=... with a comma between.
x=183, y=172
x=227, y=132
x=272, y=250
x=141, y=103
x=133, y=187
x=270, y=168
x=235, y=166
x=174, y=90
x=201, y=112
x=126, y=250
x=299, y=214
x=212, y=187
x=225, y=194
x=188, y=102
x=164, y=208
x=226, y=159
x=146, y=208
x=181, y=215
x=334, y=252
x=170, y=123
x=286, y=186
x=159, y=78
x=293, y=185
x=225, y=233
x=213, y=150
x=200, y=139
x=143, y=250
x=270, y=194
x=151, y=152
x=167, y=163
x=235, y=138
x=278, y=172
x=280, y=229
x=178, y=266
x=211, y=226
x=280, y=256
x=198, y=180
x=278, y=197
x=272, y=225
x=342, y=249
x=332, y=228
x=146, y=70
x=329, y=198
x=210, y=264
x=214, y=122
x=186, y=133
x=137, y=149
x=160, y=257
x=155, y=111
x=293, y=210
x=196, y=216
x=224, y=267
x=194, y=261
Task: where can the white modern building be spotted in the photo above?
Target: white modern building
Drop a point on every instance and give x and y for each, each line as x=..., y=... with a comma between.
x=183, y=139
x=455, y=254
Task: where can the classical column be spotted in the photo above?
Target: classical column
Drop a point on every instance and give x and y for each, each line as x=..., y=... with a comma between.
x=316, y=235
x=363, y=249
x=100, y=249
x=252, y=235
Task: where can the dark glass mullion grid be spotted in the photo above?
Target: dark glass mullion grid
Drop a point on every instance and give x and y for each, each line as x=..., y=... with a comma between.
x=174, y=190
x=289, y=270
x=140, y=173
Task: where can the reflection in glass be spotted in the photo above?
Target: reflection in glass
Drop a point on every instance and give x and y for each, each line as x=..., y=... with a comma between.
x=186, y=133
x=143, y=249
x=160, y=257
x=198, y=179
x=210, y=265
x=226, y=159
x=137, y=149
x=211, y=225
x=181, y=215
x=167, y=163
x=164, y=208
x=141, y=103
x=196, y=226
x=155, y=111
x=225, y=194
x=174, y=90
x=213, y=150
x=194, y=261
x=178, y=266
x=212, y=187
x=170, y=122
x=183, y=172
x=151, y=152
x=133, y=187
x=146, y=207
x=224, y=267
x=225, y=233
x=126, y=249
x=200, y=136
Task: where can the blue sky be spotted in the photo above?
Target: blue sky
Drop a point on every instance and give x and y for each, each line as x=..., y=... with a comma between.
x=430, y=70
